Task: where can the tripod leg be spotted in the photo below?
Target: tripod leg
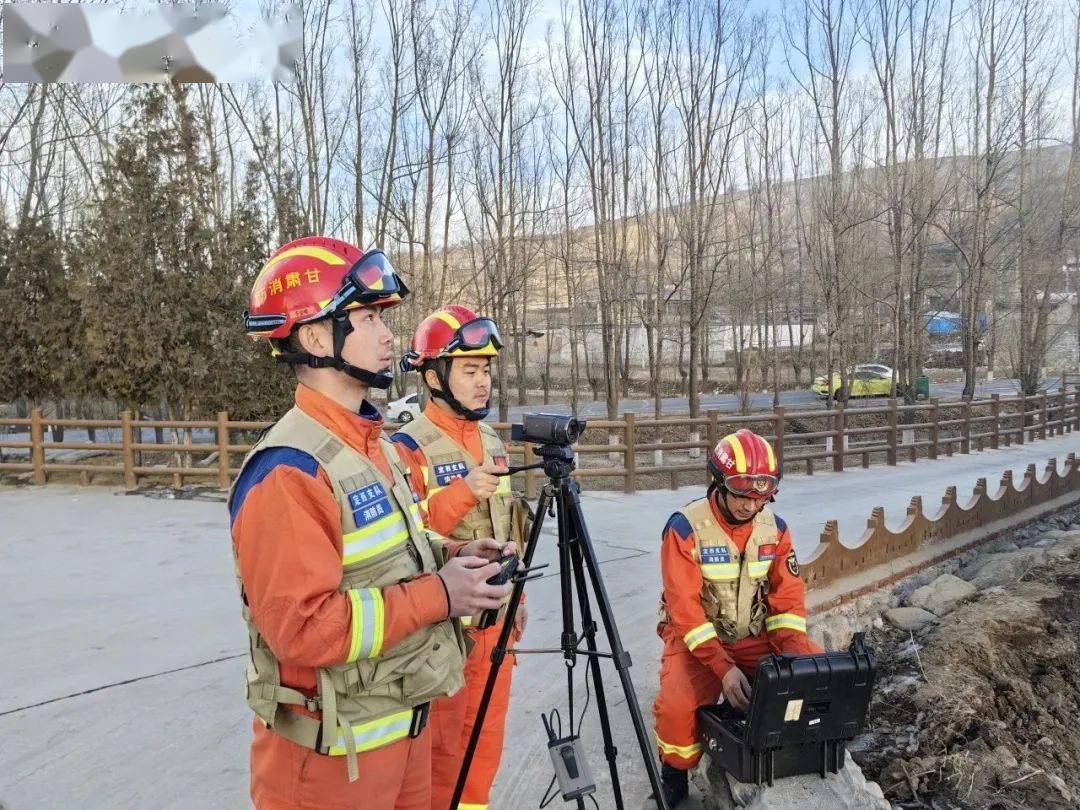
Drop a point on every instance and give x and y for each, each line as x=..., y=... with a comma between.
x=499, y=653
x=569, y=634
x=618, y=654
x=610, y=751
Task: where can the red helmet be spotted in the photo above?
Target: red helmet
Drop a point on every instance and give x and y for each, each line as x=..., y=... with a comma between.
x=453, y=331
x=314, y=277
x=744, y=464
x=450, y=332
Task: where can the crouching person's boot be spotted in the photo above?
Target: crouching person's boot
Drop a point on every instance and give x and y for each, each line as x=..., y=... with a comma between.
x=675, y=785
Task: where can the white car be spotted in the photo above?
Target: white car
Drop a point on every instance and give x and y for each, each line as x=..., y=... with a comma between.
x=404, y=410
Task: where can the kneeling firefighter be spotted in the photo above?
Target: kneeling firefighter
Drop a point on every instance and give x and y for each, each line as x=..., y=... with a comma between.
x=349, y=602
x=457, y=460
x=732, y=595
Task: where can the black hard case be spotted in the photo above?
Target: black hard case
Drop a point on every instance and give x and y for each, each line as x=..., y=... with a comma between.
x=780, y=736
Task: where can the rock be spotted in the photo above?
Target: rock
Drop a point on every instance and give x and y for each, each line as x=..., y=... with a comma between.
x=1000, y=545
x=1003, y=569
x=878, y=623
x=1066, y=547
x=1029, y=540
x=942, y=595
x=846, y=790
x=833, y=632
x=1053, y=534
x=908, y=618
x=1044, y=543
x=1005, y=758
x=1061, y=787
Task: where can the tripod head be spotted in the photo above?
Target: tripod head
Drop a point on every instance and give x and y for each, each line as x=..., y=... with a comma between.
x=558, y=460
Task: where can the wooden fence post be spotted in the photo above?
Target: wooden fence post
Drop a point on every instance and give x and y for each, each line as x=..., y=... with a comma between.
x=995, y=412
x=128, y=454
x=1076, y=409
x=223, y=449
x=712, y=430
x=839, y=427
x=935, y=428
x=1042, y=433
x=37, y=447
x=630, y=440
x=778, y=432
x=890, y=455
x=1022, y=435
x=965, y=445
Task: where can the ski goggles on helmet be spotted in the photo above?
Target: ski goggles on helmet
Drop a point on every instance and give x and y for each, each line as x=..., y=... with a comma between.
x=752, y=486
x=475, y=334
x=372, y=280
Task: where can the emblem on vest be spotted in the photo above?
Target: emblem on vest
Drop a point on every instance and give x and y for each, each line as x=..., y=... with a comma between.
x=369, y=503
x=715, y=555
x=793, y=564
x=767, y=552
x=445, y=473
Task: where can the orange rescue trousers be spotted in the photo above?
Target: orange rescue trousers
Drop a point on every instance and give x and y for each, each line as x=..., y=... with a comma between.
x=686, y=684
x=451, y=724
x=285, y=775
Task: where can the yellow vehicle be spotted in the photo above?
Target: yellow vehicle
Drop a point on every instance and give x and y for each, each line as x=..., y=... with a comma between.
x=865, y=380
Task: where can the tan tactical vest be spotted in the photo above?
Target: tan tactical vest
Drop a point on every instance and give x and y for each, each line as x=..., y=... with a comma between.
x=383, y=543
x=735, y=583
x=446, y=461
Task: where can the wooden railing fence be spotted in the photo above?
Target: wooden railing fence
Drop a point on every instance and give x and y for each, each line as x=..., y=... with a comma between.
x=635, y=452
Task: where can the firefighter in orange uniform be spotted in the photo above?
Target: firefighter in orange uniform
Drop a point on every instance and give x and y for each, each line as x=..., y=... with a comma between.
x=349, y=602
x=732, y=595
x=456, y=459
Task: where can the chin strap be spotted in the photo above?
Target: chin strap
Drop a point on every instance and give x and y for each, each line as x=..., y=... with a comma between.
x=446, y=394
x=342, y=328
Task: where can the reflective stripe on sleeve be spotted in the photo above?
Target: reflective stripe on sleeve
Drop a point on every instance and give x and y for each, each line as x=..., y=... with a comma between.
x=699, y=635
x=367, y=623
x=785, y=621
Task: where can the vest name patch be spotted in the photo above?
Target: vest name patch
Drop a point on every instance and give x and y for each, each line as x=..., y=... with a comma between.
x=715, y=555
x=767, y=552
x=369, y=503
x=445, y=473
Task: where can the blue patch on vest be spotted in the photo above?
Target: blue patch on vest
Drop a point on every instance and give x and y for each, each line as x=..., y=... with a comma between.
x=261, y=465
x=715, y=555
x=406, y=440
x=781, y=526
x=445, y=473
x=680, y=525
x=369, y=503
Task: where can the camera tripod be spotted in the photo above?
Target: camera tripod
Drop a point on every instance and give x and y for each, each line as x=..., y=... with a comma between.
x=576, y=557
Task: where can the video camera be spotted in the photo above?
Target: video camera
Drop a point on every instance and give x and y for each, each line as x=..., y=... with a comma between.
x=548, y=428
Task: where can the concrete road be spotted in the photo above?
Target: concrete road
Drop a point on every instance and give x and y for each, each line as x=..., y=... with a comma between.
x=121, y=651
x=802, y=400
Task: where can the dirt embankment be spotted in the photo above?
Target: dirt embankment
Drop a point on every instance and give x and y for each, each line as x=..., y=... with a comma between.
x=980, y=708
